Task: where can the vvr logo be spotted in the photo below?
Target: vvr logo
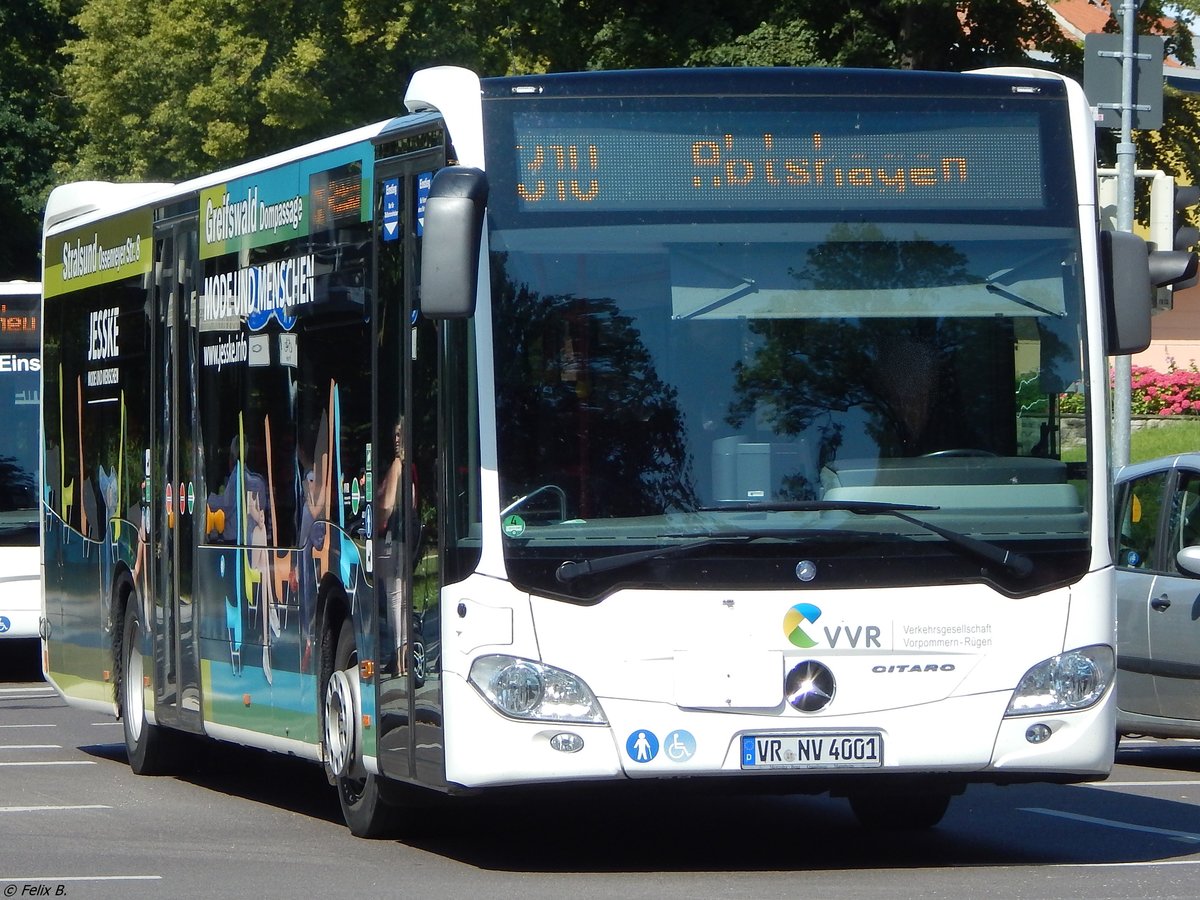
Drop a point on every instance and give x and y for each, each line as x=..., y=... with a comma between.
x=799, y=615
x=856, y=637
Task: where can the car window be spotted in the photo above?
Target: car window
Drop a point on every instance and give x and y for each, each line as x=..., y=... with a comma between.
x=1140, y=502
x=1185, y=514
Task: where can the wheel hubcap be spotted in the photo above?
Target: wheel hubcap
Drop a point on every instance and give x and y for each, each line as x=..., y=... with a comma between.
x=134, y=701
x=340, y=718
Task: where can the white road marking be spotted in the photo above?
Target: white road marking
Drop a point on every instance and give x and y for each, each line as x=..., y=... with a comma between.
x=1181, y=783
x=30, y=746
x=29, y=726
x=81, y=878
x=1122, y=865
x=12, y=809
x=1185, y=836
x=51, y=762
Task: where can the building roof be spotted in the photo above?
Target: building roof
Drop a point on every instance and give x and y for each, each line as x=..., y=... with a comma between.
x=1080, y=17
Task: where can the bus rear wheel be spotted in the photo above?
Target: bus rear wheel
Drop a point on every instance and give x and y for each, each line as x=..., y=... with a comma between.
x=364, y=807
x=145, y=744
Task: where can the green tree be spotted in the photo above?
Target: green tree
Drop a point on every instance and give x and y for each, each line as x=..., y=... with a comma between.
x=33, y=115
x=171, y=88
x=919, y=34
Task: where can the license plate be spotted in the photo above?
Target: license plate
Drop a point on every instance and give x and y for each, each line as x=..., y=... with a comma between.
x=863, y=750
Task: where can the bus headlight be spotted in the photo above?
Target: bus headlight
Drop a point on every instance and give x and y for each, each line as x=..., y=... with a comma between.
x=524, y=689
x=1073, y=680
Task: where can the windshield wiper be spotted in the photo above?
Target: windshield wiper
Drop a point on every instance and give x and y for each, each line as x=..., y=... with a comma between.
x=1018, y=564
x=570, y=569
x=999, y=291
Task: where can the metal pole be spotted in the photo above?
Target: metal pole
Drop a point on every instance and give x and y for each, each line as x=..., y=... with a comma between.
x=1122, y=410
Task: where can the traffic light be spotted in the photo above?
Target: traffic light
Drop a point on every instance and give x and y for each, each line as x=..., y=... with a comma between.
x=1173, y=263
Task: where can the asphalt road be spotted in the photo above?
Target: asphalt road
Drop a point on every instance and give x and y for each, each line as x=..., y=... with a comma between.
x=75, y=822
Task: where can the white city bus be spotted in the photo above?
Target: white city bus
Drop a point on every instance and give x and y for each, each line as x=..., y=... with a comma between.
x=20, y=363
x=633, y=426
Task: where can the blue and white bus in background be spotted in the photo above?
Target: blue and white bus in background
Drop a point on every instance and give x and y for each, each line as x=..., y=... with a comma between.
x=695, y=427
x=20, y=383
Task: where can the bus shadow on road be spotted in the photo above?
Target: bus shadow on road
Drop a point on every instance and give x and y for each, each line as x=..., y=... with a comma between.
x=691, y=830
x=273, y=779
x=20, y=661
x=988, y=826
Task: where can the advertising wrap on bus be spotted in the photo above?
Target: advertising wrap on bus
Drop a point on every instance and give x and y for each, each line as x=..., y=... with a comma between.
x=285, y=202
x=110, y=251
x=20, y=377
x=609, y=427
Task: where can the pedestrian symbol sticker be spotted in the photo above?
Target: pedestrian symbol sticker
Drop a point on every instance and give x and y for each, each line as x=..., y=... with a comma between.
x=679, y=746
x=642, y=746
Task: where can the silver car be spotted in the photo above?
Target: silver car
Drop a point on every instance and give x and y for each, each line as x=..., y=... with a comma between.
x=1158, y=597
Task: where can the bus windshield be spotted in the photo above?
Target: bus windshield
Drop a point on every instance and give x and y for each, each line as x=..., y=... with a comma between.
x=735, y=319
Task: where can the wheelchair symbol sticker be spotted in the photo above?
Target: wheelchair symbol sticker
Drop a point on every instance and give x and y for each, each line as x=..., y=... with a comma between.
x=679, y=746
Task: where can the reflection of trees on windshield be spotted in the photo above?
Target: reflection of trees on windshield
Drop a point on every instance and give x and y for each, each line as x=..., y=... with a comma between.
x=580, y=404
x=858, y=258
x=923, y=384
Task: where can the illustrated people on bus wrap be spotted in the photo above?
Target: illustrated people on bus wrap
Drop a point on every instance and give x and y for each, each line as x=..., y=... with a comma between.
x=260, y=565
x=92, y=519
x=110, y=525
x=314, y=509
x=396, y=522
x=140, y=514
x=227, y=521
x=226, y=502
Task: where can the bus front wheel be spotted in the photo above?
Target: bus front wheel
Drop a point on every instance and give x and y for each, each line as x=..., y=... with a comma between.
x=145, y=744
x=366, y=811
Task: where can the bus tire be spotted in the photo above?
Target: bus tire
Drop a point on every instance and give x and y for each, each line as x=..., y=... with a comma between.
x=145, y=744
x=900, y=811
x=361, y=794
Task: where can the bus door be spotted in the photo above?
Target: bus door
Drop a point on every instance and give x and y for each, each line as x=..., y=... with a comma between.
x=405, y=519
x=172, y=532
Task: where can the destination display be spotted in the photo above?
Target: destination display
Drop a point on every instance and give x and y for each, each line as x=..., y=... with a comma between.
x=20, y=322
x=798, y=159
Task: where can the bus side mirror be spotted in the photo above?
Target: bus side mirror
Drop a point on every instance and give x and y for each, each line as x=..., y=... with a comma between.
x=1127, y=290
x=450, y=243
